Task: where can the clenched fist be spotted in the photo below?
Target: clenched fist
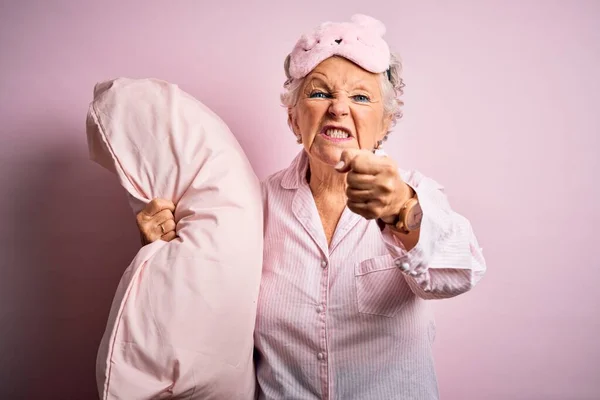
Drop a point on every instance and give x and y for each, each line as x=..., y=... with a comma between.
x=375, y=188
x=156, y=221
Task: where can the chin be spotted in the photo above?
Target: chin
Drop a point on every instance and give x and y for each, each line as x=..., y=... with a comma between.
x=330, y=155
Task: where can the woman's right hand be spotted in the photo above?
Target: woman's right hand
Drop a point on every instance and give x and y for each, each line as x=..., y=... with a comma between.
x=156, y=221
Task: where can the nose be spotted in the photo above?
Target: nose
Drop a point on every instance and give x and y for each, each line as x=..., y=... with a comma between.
x=339, y=107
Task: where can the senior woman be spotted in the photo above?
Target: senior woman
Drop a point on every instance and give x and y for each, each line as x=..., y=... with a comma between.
x=353, y=246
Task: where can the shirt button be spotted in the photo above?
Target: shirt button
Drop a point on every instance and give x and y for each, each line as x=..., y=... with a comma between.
x=320, y=309
x=321, y=356
x=323, y=264
x=403, y=265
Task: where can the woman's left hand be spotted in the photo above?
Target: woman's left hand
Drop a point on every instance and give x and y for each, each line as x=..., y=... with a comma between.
x=375, y=188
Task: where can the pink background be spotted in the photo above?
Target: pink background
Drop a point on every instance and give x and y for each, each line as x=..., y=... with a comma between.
x=502, y=107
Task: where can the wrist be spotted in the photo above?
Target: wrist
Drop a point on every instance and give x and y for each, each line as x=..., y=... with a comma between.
x=391, y=219
x=408, y=216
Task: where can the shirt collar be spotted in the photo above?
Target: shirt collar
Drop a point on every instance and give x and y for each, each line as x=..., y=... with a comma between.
x=295, y=174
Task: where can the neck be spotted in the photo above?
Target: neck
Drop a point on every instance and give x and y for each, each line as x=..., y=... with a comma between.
x=326, y=182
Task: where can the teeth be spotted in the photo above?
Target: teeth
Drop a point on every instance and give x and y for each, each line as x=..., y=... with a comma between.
x=336, y=133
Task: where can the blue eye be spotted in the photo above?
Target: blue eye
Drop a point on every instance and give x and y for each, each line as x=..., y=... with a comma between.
x=318, y=95
x=361, y=98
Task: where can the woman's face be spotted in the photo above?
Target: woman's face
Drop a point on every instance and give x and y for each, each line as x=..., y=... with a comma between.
x=339, y=107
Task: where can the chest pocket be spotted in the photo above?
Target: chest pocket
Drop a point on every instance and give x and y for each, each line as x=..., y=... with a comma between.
x=381, y=288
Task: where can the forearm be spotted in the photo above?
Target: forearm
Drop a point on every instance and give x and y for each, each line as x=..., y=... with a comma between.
x=442, y=258
x=442, y=269
x=407, y=240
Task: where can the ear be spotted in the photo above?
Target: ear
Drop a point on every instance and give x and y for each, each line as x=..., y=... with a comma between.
x=385, y=128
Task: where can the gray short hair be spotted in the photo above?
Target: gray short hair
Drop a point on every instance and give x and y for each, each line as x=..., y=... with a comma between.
x=391, y=89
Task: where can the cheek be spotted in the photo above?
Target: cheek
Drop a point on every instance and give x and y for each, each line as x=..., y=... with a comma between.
x=369, y=124
x=309, y=117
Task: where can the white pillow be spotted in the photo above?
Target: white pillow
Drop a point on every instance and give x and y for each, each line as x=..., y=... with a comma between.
x=182, y=319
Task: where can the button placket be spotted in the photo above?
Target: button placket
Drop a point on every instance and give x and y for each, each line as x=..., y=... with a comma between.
x=322, y=318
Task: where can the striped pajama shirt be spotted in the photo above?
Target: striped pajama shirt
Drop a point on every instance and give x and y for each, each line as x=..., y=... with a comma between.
x=350, y=320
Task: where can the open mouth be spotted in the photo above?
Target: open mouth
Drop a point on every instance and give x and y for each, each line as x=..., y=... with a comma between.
x=335, y=134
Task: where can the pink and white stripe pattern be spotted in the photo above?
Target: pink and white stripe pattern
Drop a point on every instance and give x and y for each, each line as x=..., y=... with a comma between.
x=350, y=320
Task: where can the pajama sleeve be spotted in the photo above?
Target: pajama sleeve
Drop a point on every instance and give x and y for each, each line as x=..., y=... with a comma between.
x=447, y=260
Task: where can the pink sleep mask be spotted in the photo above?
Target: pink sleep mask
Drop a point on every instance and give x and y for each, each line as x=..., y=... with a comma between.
x=360, y=41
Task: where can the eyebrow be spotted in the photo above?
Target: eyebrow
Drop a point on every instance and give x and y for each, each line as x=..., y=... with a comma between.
x=316, y=78
x=359, y=84
x=362, y=86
